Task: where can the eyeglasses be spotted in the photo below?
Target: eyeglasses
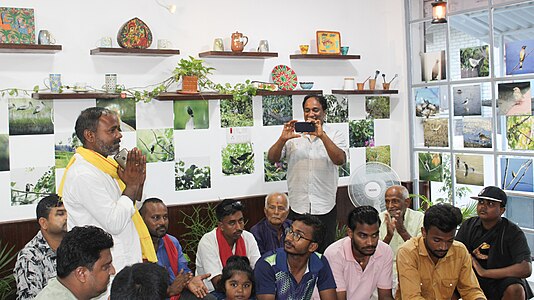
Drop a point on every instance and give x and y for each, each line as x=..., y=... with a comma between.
x=234, y=205
x=297, y=236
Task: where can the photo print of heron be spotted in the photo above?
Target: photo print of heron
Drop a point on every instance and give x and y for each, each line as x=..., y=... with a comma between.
x=377, y=107
x=474, y=62
x=237, y=159
x=427, y=102
x=4, y=152
x=361, y=133
x=338, y=109
x=378, y=154
x=65, y=147
x=467, y=100
x=519, y=132
x=436, y=132
x=28, y=116
x=519, y=57
x=192, y=173
x=469, y=169
x=277, y=110
x=276, y=171
x=29, y=185
x=236, y=112
x=433, y=66
x=517, y=174
x=430, y=167
x=514, y=98
x=156, y=144
x=191, y=114
x=477, y=132
x=125, y=110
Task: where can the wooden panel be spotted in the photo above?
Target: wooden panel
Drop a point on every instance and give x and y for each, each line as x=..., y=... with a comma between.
x=289, y=93
x=199, y=96
x=324, y=56
x=364, y=92
x=29, y=48
x=134, y=52
x=88, y=95
x=230, y=54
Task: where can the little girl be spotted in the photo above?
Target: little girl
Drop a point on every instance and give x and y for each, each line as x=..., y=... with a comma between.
x=237, y=279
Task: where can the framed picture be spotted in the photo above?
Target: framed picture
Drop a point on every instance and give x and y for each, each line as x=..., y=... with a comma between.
x=17, y=25
x=328, y=42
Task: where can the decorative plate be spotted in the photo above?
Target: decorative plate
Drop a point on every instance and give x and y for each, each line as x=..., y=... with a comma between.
x=285, y=77
x=134, y=34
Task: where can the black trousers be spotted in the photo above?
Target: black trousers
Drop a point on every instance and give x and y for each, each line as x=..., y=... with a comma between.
x=329, y=221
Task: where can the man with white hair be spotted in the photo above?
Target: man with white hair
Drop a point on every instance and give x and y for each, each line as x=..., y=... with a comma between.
x=270, y=232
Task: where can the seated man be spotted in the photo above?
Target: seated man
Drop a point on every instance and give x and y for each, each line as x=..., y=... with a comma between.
x=294, y=271
x=227, y=239
x=36, y=262
x=433, y=265
x=270, y=232
x=360, y=262
x=501, y=254
x=84, y=265
x=168, y=249
x=141, y=281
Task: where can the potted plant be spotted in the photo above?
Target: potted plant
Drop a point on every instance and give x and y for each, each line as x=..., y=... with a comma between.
x=193, y=73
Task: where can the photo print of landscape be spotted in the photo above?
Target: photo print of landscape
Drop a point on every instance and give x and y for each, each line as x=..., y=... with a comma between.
x=469, y=169
x=436, y=132
x=29, y=116
x=477, y=132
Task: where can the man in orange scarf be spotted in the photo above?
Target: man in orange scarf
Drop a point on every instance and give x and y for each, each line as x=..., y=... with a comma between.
x=96, y=192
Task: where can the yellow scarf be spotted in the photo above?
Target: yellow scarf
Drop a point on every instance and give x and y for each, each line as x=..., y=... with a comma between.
x=109, y=166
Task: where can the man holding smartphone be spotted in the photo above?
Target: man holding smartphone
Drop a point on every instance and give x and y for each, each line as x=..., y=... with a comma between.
x=313, y=159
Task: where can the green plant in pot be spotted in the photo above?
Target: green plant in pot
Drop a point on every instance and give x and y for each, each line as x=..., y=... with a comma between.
x=193, y=73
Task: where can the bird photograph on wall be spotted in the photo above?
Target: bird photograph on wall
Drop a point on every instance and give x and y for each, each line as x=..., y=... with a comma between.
x=467, y=100
x=430, y=167
x=517, y=174
x=191, y=114
x=519, y=57
x=514, y=98
x=477, y=132
x=427, y=102
x=433, y=66
x=471, y=170
x=28, y=116
x=474, y=62
x=436, y=132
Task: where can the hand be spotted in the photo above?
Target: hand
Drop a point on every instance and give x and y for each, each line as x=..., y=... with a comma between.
x=390, y=224
x=135, y=171
x=197, y=287
x=478, y=255
x=399, y=222
x=181, y=280
x=289, y=131
x=318, y=127
x=478, y=268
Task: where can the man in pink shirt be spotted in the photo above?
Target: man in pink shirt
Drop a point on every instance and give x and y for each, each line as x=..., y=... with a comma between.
x=361, y=262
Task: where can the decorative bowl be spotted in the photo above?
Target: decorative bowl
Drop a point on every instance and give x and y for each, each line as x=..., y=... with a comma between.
x=306, y=85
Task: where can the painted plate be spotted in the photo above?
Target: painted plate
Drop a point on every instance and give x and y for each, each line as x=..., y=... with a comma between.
x=285, y=77
x=134, y=34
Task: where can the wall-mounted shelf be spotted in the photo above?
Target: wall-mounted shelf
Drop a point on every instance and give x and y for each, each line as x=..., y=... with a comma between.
x=29, y=48
x=134, y=52
x=88, y=95
x=289, y=93
x=230, y=54
x=365, y=92
x=324, y=56
x=199, y=96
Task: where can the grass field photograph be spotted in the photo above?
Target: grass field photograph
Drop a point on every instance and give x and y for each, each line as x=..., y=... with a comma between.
x=65, y=147
x=4, y=152
x=28, y=116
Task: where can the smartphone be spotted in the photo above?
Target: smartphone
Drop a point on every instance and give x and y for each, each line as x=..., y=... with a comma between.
x=304, y=127
x=121, y=157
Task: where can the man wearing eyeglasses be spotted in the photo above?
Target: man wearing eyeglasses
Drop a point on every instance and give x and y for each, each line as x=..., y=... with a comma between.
x=501, y=256
x=294, y=271
x=313, y=159
x=270, y=232
x=227, y=239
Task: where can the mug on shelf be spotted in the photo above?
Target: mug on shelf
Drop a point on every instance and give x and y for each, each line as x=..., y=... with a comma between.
x=53, y=82
x=164, y=44
x=264, y=46
x=111, y=83
x=105, y=42
x=45, y=38
x=218, y=44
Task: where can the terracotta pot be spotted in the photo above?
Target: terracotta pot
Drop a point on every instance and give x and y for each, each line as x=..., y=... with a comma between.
x=189, y=84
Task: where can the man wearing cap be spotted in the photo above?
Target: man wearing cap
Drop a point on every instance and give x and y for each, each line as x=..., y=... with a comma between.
x=501, y=256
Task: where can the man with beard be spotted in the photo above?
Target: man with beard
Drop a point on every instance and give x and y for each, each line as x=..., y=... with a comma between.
x=433, y=265
x=36, y=262
x=227, y=239
x=361, y=262
x=84, y=265
x=97, y=192
x=501, y=254
x=169, y=251
x=294, y=271
x=313, y=160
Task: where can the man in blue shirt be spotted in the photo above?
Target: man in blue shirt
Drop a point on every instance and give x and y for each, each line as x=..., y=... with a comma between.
x=270, y=232
x=169, y=251
x=292, y=272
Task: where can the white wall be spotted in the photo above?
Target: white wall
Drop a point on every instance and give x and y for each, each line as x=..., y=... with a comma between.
x=373, y=29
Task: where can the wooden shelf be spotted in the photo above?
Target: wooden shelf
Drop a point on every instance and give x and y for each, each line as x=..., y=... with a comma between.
x=199, y=96
x=289, y=93
x=230, y=54
x=88, y=95
x=29, y=48
x=134, y=52
x=365, y=92
x=324, y=56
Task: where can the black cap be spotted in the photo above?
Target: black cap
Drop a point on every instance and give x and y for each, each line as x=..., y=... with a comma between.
x=492, y=193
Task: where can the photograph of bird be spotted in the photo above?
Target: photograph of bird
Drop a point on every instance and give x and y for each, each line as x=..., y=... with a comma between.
x=11, y=106
x=522, y=56
x=25, y=106
x=475, y=62
x=465, y=105
x=40, y=106
x=435, y=70
x=483, y=138
x=468, y=169
x=191, y=122
x=518, y=97
x=436, y=128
